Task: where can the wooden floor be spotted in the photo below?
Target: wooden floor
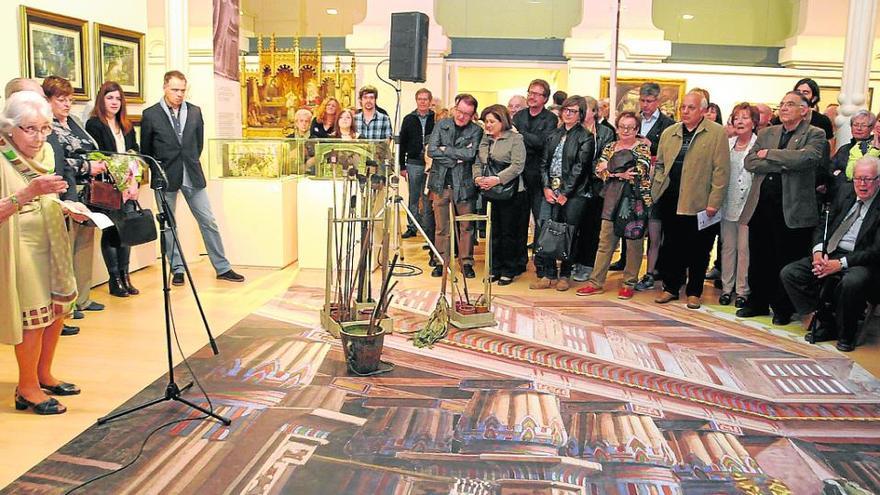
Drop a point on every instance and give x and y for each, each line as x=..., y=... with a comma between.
x=122, y=349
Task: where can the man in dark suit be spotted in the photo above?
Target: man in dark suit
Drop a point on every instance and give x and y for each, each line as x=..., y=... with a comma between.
x=654, y=122
x=852, y=260
x=781, y=208
x=172, y=131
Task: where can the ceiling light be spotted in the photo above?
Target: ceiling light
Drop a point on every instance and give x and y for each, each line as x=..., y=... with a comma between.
x=331, y=11
x=687, y=17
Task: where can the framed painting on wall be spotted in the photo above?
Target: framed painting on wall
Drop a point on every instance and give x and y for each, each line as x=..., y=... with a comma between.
x=55, y=45
x=119, y=56
x=671, y=93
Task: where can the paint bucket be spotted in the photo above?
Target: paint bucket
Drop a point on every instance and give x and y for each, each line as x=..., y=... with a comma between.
x=363, y=352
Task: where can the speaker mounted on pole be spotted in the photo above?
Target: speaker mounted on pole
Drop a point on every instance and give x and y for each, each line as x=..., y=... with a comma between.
x=409, y=46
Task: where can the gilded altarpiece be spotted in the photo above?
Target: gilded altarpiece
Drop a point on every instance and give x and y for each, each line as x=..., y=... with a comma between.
x=285, y=80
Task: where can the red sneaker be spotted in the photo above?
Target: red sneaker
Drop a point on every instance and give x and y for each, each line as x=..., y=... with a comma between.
x=589, y=290
x=625, y=292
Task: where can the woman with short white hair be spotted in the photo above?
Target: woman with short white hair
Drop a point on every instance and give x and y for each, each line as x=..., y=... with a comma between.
x=36, y=271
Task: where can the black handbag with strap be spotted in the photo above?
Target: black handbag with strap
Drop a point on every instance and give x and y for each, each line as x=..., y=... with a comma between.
x=500, y=192
x=555, y=238
x=136, y=225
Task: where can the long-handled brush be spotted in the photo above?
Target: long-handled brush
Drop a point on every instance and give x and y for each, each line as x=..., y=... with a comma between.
x=437, y=325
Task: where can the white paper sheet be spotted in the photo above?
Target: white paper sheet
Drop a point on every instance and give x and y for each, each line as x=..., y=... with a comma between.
x=704, y=220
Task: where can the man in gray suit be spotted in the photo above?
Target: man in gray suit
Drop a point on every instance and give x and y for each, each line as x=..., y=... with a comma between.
x=172, y=132
x=781, y=209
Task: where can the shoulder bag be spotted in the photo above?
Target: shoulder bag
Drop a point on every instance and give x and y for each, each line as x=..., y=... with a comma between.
x=501, y=192
x=103, y=195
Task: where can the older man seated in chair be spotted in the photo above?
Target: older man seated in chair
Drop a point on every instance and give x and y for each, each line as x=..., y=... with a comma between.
x=851, y=268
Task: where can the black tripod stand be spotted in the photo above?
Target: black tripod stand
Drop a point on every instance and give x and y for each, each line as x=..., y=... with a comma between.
x=167, y=224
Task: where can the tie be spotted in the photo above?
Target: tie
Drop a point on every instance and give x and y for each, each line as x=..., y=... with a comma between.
x=175, y=120
x=844, y=227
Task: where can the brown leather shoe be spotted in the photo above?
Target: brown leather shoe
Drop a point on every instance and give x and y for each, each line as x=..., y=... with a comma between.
x=665, y=297
x=693, y=302
x=563, y=285
x=541, y=283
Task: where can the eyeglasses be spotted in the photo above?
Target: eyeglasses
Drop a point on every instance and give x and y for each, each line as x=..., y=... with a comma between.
x=865, y=180
x=859, y=125
x=627, y=128
x=33, y=131
x=535, y=93
x=790, y=104
x=570, y=111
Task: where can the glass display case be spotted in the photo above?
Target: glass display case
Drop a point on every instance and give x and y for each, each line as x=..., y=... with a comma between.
x=275, y=158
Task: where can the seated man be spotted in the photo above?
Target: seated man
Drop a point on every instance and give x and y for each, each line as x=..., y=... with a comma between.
x=853, y=258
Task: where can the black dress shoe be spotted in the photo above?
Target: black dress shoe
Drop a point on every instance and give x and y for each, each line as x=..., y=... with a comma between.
x=410, y=232
x=821, y=334
x=494, y=278
x=781, y=320
x=740, y=302
x=62, y=388
x=230, y=276
x=505, y=281
x=49, y=406
x=432, y=261
x=78, y=315
x=426, y=247
x=94, y=306
x=751, y=312
x=437, y=271
x=845, y=346
x=468, y=271
x=177, y=279
x=617, y=266
x=724, y=300
x=69, y=330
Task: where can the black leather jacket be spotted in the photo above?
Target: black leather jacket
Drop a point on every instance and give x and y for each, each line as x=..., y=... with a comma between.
x=578, y=154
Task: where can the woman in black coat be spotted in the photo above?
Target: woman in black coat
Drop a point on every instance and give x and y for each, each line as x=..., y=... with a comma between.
x=113, y=132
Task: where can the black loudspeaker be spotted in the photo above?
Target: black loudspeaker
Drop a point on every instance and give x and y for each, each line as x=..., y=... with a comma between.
x=409, y=46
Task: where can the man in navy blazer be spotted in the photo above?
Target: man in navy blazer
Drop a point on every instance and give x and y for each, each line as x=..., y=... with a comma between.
x=172, y=132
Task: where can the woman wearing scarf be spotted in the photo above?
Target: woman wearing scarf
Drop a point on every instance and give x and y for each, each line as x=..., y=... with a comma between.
x=37, y=274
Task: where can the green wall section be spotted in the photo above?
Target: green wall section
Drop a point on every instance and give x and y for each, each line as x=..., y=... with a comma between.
x=760, y=23
x=522, y=19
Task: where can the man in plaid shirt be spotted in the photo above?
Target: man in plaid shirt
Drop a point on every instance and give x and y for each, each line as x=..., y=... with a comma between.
x=371, y=124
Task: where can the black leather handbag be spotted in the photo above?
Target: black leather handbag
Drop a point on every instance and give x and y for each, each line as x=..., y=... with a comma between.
x=501, y=192
x=555, y=238
x=136, y=225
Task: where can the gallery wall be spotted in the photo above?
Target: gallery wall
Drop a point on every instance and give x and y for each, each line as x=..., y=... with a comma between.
x=131, y=15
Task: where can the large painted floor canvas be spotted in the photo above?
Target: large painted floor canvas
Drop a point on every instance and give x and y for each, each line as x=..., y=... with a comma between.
x=563, y=396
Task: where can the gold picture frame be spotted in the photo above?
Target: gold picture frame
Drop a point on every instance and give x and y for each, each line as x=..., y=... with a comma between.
x=672, y=91
x=120, y=57
x=53, y=44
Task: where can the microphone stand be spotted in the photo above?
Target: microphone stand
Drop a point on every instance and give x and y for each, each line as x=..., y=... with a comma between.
x=167, y=224
x=814, y=323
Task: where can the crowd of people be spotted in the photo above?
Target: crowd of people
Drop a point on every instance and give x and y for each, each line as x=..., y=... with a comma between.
x=749, y=182
x=753, y=183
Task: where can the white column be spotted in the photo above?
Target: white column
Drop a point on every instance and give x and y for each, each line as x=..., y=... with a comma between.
x=177, y=35
x=856, y=64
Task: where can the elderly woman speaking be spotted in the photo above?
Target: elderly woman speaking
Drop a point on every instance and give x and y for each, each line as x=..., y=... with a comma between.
x=36, y=270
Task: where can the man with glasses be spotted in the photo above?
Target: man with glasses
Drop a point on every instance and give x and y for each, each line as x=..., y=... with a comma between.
x=415, y=128
x=453, y=149
x=781, y=209
x=534, y=123
x=847, y=266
